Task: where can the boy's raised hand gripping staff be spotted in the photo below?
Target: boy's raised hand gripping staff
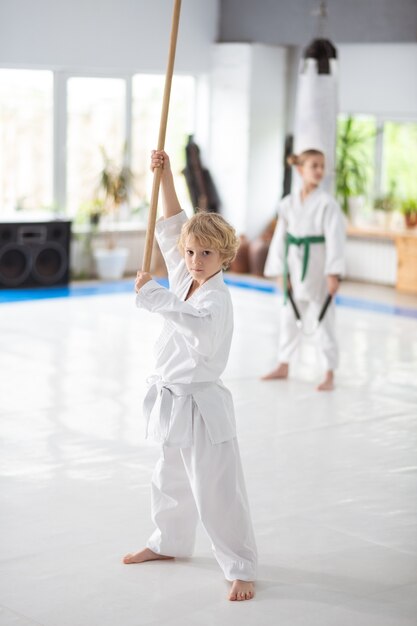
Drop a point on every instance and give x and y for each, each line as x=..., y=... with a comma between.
x=146, y=265
x=141, y=279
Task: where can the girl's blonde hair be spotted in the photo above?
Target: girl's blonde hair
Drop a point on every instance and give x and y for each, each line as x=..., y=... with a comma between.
x=212, y=232
x=300, y=159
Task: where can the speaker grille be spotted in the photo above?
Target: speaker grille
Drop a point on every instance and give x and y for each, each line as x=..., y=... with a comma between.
x=34, y=254
x=49, y=263
x=15, y=265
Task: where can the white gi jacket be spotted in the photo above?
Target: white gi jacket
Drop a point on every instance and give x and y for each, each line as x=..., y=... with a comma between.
x=191, y=352
x=318, y=214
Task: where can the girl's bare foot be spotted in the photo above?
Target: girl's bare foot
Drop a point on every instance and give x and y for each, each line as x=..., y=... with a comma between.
x=281, y=371
x=144, y=555
x=328, y=382
x=242, y=590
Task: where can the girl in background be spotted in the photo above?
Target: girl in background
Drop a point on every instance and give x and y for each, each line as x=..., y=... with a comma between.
x=307, y=254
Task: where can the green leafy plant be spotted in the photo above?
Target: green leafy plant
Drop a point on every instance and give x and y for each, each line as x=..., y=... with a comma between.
x=352, y=161
x=409, y=205
x=91, y=211
x=387, y=203
x=409, y=210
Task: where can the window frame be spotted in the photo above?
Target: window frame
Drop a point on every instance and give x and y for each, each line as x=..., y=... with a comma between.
x=60, y=78
x=380, y=121
x=40, y=68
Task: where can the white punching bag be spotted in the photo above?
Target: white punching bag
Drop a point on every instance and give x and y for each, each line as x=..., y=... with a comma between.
x=315, y=120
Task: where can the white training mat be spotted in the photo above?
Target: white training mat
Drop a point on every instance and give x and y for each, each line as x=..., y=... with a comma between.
x=331, y=478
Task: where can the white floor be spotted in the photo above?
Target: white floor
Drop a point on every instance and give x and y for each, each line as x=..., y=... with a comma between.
x=331, y=477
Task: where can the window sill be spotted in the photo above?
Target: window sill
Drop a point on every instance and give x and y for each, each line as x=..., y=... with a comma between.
x=354, y=232
x=120, y=227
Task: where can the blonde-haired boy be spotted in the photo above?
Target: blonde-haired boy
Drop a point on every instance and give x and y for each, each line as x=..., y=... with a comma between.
x=211, y=231
x=189, y=410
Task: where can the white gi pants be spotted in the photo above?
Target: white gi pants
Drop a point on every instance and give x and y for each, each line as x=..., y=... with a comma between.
x=325, y=335
x=204, y=481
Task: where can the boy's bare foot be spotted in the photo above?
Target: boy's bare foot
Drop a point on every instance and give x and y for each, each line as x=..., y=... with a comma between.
x=280, y=372
x=328, y=382
x=242, y=590
x=144, y=555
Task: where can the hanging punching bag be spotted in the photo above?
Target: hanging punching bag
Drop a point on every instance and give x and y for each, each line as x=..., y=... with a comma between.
x=317, y=105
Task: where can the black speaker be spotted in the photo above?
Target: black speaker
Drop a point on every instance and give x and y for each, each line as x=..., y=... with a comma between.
x=34, y=254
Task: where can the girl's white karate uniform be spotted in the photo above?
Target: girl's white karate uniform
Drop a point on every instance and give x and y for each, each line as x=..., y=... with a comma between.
x=190, y=412
x=318, y=214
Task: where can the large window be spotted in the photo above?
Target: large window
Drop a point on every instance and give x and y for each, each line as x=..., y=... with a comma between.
x=95, y=122
x=92, y=116
x=26, y=140
x=377, y=163
x=399, y=165
x=355, y=169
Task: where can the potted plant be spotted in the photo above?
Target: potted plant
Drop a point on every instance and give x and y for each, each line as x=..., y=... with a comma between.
x=352, y=164
x=384, y=206
x=409, y=210
x=87, y=220
x=113, y=190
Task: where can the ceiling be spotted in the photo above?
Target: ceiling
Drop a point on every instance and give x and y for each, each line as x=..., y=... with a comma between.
x=290, y=22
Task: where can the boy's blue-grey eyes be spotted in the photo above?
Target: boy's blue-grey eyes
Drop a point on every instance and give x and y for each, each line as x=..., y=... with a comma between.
x=205, y=252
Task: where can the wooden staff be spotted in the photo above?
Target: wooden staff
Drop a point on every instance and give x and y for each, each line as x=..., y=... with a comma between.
x=161, y=139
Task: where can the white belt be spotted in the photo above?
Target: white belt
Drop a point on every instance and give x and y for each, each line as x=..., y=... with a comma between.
x=166, y=392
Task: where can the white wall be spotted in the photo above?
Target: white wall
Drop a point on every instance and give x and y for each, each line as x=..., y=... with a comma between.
x=229, y=125
x=106, y=34
x=378, y=79
x=267, y=131
x=247, y=130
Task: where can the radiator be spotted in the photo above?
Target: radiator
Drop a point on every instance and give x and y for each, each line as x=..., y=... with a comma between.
x=371, y=260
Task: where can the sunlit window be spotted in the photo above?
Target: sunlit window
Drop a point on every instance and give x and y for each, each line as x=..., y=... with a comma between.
x=376, y=169
x=355, y=171
x=96, y=119
x=146, y=113
x=400, y=160
x=26, y=140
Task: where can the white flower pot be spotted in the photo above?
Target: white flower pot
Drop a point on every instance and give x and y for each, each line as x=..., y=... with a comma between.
x=356, y=210
x=110, y=263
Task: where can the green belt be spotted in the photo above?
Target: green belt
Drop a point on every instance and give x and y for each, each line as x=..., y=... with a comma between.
x=299, y=241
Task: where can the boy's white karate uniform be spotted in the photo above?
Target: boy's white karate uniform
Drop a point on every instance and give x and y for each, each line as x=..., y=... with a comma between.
x=318, y=214
x=190, y=412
